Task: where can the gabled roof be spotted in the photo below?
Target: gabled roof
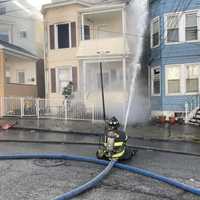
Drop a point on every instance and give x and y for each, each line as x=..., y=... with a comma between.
x=16, y=49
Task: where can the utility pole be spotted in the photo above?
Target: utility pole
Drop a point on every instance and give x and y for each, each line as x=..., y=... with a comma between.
x=102, y=81
x=102, y=92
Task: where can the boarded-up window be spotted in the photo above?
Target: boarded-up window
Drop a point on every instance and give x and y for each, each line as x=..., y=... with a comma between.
x=53, y=80
x=74, y=78
x=73, y=34
x=52, y=37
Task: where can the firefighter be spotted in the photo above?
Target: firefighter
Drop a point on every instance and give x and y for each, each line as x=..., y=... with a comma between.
x=114, y=143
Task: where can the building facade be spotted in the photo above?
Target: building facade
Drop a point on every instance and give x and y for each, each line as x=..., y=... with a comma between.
x=175, y=59
x=80, y=36
x=21, y=46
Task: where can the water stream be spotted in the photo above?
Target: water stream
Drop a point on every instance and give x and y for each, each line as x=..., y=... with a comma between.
x=137, y=15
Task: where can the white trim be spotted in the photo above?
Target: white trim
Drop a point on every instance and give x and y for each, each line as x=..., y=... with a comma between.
x=60, y=4
x=102, y=8
x=152, y=21
x=152, y=81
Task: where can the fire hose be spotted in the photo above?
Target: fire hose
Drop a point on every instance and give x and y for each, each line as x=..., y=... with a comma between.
x=96, y=180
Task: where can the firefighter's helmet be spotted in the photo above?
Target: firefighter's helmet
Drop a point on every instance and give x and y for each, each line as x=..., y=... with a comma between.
x=113, y=123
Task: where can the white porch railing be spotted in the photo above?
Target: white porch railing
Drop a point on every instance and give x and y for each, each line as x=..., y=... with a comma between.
x=191, y=107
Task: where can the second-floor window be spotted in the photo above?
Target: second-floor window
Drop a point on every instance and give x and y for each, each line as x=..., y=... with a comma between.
x=2, y=10
x=155, y=32
x=191, y=27
x=4, y=36
x=62, y=35
x=173, y=28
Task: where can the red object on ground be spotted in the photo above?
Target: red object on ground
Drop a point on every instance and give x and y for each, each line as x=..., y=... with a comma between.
x=7, y=125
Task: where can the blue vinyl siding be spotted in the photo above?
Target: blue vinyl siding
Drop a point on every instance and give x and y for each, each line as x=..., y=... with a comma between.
x=180, y=53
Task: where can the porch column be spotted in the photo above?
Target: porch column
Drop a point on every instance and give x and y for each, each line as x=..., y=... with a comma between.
x=82, y=27
x=124, y=74
x=84, y=81
x=2, y=73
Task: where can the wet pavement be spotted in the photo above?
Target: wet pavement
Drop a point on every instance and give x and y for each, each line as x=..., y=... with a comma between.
x=25, y=180
x=147, y=131
x=14, y=135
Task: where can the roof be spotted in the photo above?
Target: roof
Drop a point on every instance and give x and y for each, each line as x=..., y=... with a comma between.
x=16, y=49
x=64, y=3
x=86, y=3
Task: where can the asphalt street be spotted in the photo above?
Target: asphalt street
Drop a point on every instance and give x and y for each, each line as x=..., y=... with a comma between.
x=25, y=180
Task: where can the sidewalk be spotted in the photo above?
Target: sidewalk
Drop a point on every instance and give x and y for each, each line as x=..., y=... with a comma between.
x=148, y=132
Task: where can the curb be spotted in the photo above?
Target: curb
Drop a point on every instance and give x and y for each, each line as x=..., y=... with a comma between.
x=147, y=148
x=194, y=141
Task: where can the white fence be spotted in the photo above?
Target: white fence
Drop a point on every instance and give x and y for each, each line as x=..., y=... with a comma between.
x=49, y=108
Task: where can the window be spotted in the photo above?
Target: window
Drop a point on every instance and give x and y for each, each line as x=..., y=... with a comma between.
x=62, y=35
x=192, y=80
x=155, y=81
x=2, y=10
x=21, y=77
x=86, y=32
x=155, y=32
x=23, y=34
x=4, y=36
x=173, y=79
x=63, y=77
x=191, y=27
x=173, y=28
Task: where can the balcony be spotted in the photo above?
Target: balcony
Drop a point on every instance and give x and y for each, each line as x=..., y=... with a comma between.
x=103, y=31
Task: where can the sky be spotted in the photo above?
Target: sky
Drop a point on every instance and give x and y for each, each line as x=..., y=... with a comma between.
x=38, y=3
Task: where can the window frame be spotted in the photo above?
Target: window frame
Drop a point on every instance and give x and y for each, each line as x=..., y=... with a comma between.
x=17, y=73
x=56, y=35
x=186, y=77
x=180, y=22
x=166, y=80
x=152, y=81
x=182, y=26
x=58, y=81
x=198, y=25
x=152, y=22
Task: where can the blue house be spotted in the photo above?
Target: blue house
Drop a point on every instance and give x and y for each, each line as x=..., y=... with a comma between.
x=175, y=57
